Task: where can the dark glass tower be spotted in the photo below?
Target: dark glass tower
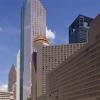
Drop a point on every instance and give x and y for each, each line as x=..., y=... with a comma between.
x=78, y=30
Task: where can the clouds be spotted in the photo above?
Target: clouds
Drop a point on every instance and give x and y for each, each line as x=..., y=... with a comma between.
x=50, y=34
x=10, y=30
x=3, y=87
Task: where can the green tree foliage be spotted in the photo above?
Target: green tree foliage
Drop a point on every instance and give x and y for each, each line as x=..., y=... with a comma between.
x=29, y=98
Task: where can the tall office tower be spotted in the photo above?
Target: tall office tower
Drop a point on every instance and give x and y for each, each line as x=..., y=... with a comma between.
x=18, y=76
x=11, y=78
x=33, y=27
x=78, y=30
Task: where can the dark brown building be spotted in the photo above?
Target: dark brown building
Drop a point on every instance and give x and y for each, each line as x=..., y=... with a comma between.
x=11, y=78
x=78, y=78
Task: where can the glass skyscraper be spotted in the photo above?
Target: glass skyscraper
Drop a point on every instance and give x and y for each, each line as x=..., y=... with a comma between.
x=33, y=25
x=78, y=30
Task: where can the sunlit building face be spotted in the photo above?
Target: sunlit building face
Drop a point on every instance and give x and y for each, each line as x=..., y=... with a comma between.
x=33, y=24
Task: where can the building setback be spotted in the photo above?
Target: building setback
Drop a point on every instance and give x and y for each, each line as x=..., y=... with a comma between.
x=78, y=30
x=11, y=78
x=78, y=78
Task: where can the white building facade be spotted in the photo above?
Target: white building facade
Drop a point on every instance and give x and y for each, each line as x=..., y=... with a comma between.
x=18, y=76
x=33, y=25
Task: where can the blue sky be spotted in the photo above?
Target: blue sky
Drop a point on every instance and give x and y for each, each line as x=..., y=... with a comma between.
x=60, y=14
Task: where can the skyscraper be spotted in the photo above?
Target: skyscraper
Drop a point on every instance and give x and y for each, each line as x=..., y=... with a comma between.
x=18, y=76
x=11, y=78
x=33, y=27
x=78, y=30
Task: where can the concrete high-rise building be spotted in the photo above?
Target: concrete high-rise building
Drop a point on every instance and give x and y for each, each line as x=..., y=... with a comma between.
x=78, y=30
x=78, y=78
x=33, y=28
x=54, y=55
x=18, y=76
x=11, y=78
x=37, y=69
x=46, y=59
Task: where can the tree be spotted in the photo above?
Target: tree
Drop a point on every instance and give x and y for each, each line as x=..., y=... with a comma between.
x=29, y=98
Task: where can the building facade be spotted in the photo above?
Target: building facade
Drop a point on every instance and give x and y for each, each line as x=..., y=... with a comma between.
x=33, y=26
x=78, y=30
x=37, y=69
x=11, y=78
x=54, y=55
x=94, y=29
x=78, y=78
x=25, y=51
x=18, y=76
x=6, y=95
x=46, y=59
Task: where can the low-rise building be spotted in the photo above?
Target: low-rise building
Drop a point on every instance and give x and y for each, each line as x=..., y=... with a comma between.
x=6, y=95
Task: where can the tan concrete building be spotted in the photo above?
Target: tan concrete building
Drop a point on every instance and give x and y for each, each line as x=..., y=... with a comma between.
x=78, y=78
x=54, y=55
x=39, y=43
x=47, y=58
x=6, y=95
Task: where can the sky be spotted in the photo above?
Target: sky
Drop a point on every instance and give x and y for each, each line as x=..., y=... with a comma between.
x=60, y=14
